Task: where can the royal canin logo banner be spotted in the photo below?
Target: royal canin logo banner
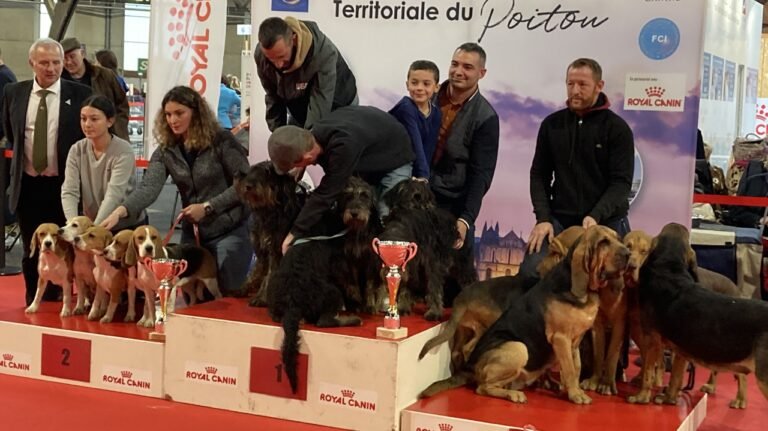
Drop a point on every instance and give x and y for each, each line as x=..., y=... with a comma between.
x=436, y=423
x=214, y=374
x=186, y=48
x=126, y=378
x=15, y=362
x=655, y=92
x=348, y=397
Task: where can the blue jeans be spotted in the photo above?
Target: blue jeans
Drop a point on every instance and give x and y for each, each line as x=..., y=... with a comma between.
x=387, y=183
x=531, y=261
x=233, y=252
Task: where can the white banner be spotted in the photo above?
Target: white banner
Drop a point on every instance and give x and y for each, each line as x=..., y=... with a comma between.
x=186, y=47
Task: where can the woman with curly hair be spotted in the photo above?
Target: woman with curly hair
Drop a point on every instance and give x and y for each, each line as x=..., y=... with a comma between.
x=202, y=159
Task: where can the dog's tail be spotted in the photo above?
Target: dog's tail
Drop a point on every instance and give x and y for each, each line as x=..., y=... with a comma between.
x=455, y=381
x=446, y=333
x=290, y=348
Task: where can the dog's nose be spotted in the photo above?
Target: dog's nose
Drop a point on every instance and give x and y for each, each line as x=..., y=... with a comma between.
x=354, y=213
x=77, y=239
x=48, y=243
x=149, y=248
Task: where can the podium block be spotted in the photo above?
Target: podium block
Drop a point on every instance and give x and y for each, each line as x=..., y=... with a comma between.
x=226, y=355
x=462, y=409
x=116, y=356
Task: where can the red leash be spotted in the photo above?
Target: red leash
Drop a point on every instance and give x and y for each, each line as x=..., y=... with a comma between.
x=173, y=227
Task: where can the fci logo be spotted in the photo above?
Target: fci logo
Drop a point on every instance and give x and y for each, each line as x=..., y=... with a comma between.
x=290, y=5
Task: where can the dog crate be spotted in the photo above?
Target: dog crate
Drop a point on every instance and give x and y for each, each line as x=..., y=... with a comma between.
x=734, y=252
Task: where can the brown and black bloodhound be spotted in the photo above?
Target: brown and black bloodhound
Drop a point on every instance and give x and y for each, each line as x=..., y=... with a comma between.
x=545, y=325
x=698, y=315
x=481, y=304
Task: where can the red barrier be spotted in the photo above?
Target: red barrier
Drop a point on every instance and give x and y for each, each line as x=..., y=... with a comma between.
x=140, y=161
x=747, y=201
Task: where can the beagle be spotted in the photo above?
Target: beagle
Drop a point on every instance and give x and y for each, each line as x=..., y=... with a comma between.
x=83, y=264
x=117, y=252
x=110, y=279
x=201, y=266
x=54, y=265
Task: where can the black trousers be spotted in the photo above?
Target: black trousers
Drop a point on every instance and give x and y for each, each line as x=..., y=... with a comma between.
x=39, y=202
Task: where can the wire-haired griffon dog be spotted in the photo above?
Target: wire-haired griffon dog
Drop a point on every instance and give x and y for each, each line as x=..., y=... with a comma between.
x=275, y=202
x=414, y=217
x=544, y=327
x=481, y=304
x=705, y=327
x=54, y=265
x=314, y=280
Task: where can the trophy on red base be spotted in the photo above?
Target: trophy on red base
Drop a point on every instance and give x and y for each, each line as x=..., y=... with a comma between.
x=165, y=270
x=395, y=255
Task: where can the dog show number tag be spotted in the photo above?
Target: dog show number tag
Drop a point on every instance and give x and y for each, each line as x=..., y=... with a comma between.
x=268, y=374
x=66, y=358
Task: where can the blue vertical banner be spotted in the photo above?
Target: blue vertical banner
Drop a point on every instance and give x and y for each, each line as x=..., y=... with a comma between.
x=730, y=81
x=706, y=68
x=718, y=71
x=651, y=71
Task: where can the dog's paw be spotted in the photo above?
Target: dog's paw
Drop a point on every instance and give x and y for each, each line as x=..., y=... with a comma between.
x=129, y=317
x=65, y=312
x=78, y=311
x=93, y=315
x=738, y=403
x=707, y=388
x=578, y=396
x=590, y=384
x=146, y=323
x=106, y=319
x=32, y=308
x=257, y=302
x=433, y=315
x=665, y=399
x=642, y=397
x=607, y=388
x=517, y=397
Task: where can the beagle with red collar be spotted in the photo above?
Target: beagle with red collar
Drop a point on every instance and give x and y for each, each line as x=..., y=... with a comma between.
x=54, y=265
x=116, y=252
x=111, y=279
x=83, y=264
x=201, y=266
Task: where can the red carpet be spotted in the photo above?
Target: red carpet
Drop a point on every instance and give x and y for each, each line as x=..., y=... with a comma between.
x=42, y=406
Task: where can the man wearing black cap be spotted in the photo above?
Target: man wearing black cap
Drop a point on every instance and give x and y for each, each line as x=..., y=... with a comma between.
x=102, y=80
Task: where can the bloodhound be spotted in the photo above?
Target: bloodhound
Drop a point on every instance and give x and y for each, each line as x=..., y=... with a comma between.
x=706, y=327
x=545, y=325
x=480, y=304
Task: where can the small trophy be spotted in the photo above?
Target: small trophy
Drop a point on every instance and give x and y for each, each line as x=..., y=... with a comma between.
x=395, y=255
x=165, y=270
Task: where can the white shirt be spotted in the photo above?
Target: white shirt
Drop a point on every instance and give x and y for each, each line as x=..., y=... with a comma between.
x=52, y=100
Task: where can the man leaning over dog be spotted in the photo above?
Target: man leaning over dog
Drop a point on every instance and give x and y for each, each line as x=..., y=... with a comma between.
x=354, y=140
x=467, y=147
x=583, y=164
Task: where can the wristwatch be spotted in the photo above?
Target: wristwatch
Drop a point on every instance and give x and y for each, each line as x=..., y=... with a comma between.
x=208, y=208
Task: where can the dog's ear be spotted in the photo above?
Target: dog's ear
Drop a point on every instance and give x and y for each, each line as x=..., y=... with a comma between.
x=692, y=264
x=580, y=273
x=131, y=254
x=557, y=251
x=35, y=243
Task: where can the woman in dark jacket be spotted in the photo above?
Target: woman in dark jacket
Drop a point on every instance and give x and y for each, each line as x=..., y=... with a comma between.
x=202, y=159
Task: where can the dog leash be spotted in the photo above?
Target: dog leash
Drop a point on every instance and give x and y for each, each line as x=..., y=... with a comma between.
x=178, y=219
x=319, y=238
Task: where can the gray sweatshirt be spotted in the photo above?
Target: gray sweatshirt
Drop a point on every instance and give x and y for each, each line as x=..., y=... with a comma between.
x=101, y=185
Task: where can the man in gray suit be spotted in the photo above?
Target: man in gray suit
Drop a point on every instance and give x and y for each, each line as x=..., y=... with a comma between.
x=41, y=119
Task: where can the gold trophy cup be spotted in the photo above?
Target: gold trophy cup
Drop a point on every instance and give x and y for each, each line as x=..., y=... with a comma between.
x=395, y=255
x=165, y=270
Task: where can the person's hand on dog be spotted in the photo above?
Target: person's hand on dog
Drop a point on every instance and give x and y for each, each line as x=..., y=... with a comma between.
x=423, y=180
x=461, y=228
x=287, y=242
x=536, y=238
x=114, y=217
x=588, y=222
x=194, y=212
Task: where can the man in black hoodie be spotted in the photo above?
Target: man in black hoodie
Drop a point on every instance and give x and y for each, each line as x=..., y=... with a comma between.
x=583, y=165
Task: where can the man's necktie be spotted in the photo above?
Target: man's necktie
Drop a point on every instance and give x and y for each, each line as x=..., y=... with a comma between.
x=40, y=140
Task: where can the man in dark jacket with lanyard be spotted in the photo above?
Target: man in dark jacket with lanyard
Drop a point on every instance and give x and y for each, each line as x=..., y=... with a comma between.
x=467, y=147
x=303, y=74
x=589, y=151
x=354, y=140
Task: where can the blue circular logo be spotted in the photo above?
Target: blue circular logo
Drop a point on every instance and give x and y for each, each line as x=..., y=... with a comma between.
x=659, y=38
